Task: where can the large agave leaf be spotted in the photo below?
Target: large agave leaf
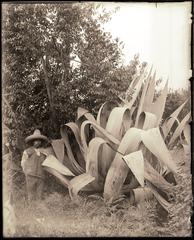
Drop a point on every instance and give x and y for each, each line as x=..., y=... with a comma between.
x=90, y=117
x=77, y=147
x=68, y=163
x=76, y=132
x=140, y=194
x=118, y=123
x=84, y=112
x=54, y=163
x=82, y=115
x=93, y=164
x=180, y=128
x=93, y=156
x=104, y=113
x=75, y=165
x=187, y=133
x=81, y=112
x=78, y=182
x=142, y=99
x=147, y=120
x=158, y=106
x=167, y=125
x=61, y=178
x=58, y=147
x=118, y=170
x=154, y=142
x=47, y=151
x=101, y=132
x=156, y=179
x=135, y=162
x=166, y=205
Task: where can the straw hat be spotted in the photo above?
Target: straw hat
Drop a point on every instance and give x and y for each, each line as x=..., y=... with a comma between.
x=36, y=136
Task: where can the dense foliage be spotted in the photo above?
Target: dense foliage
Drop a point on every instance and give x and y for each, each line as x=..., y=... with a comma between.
x=57, y=57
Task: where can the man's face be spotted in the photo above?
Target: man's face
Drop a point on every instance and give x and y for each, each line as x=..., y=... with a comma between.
x=37, y=143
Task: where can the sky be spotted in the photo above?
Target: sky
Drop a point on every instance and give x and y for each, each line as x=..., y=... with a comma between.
x=161, y=36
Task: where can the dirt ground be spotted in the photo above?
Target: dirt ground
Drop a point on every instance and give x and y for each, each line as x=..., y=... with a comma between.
x=58, y=216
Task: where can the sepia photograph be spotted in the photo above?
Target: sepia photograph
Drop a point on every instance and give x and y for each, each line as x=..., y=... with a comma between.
x=96, y=119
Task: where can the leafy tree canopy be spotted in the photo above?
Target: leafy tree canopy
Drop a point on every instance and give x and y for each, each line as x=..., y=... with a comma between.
x=57, y=57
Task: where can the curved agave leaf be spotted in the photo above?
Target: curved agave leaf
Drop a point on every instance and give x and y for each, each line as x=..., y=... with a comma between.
x=187, y=133
x=104, y=113
x=82, y=115
x=58, y=147
x=90, y=117
x=154, y=142
x=101, y=132
x=54, y=163
x=77, y=148
x=77, y=183
x=147, y=120
x=81, y=112
x=135, y=162
x=77, y=169
x=118, y=123
x=92, y=156
x=118, y=170
x=180, y=128
x=167, y=125
x=93, y=164
x=76, y=132
x=63, y=180
x=84, y=112
x=140, y=195
x=156, y=179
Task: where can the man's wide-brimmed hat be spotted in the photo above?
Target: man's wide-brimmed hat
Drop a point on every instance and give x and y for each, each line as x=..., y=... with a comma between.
x=36, y=136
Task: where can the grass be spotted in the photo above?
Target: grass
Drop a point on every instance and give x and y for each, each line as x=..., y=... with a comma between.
x=58, y=216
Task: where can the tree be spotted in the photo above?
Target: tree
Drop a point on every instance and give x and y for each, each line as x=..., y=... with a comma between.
x=41, y=82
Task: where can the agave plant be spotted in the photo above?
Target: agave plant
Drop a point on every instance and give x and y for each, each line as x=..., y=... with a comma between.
x=123, y=149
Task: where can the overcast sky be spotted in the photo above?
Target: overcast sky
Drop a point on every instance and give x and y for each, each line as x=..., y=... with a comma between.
x=161, y=35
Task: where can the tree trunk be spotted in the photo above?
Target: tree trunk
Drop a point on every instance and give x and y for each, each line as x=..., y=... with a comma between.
x=49, y=93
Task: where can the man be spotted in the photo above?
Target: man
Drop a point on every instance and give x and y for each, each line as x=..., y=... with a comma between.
x=31, y=163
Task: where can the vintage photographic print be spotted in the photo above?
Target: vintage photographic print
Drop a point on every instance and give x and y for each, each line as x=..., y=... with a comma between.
x=96, y=116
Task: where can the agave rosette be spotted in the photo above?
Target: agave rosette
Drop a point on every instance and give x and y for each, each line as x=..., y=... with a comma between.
x=114, y=152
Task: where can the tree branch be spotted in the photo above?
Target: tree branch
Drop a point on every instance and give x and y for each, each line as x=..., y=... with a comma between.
x=47, y=83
